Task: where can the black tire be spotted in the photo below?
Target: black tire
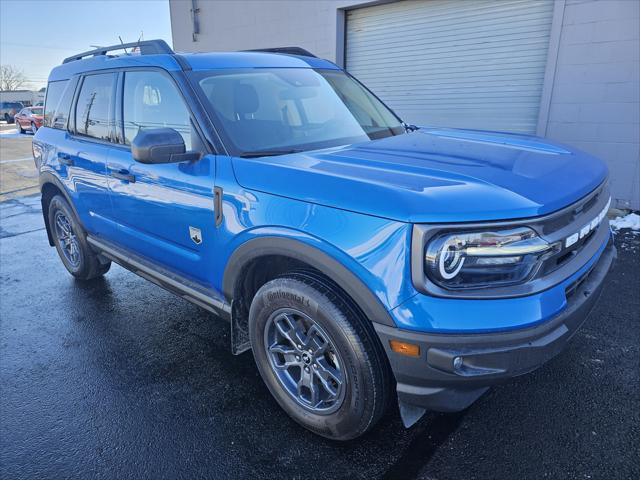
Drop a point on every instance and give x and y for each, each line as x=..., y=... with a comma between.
x=34, y=128
x=85, y=264
x=367, y=387
x=20, y=130
x=7, y=118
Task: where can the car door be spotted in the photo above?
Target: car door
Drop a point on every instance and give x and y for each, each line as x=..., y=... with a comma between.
x=82, y=152
x=19, y=117
x=164, y=212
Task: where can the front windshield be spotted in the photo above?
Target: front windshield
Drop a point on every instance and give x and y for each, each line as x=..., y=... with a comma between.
x=267, y=111
x=36, y=111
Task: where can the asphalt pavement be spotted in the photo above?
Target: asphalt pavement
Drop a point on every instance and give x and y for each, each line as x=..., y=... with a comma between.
x=117, y=378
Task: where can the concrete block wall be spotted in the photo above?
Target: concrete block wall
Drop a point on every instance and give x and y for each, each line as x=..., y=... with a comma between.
x=595, y=101
x=247, y=24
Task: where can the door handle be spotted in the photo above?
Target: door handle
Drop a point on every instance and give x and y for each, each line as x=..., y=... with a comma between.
x=65, y=159
x=123, y=175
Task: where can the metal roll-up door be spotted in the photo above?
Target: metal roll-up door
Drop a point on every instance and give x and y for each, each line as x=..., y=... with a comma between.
x=469, y=64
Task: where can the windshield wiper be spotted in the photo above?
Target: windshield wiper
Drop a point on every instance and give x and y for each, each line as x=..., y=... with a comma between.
x=410, y=128
x=266, y=153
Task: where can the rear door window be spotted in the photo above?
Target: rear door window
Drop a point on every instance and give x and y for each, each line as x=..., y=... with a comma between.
x=94, y=107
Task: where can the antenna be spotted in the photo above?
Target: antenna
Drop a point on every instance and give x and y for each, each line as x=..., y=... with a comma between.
x=122, y=43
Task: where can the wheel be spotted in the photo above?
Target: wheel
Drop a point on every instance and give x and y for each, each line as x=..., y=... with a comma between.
x=7, y=118
x=34, y=128
x=318, y=356
x=19, y=127
x=71, y=243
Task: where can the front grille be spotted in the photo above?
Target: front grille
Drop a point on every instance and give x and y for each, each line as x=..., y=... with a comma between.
x=558, y=227
x=557, y=260
x=570, y=215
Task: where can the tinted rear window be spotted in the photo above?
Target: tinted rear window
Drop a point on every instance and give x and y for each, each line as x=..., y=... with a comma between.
x=58, y=104
x=93, y=108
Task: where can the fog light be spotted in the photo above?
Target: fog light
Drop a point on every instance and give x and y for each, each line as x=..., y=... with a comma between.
x=404, y=348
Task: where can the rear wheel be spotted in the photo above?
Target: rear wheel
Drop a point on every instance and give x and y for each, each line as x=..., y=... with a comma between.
x=71, y=243
x=318, y=356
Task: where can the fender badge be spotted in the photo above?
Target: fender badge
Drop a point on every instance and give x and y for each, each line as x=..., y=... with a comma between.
x=195, y=234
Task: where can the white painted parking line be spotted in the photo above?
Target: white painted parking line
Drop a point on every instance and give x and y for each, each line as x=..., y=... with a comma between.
x=17, y=160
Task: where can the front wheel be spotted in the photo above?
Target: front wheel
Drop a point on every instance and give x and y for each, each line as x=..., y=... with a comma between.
x=19, y=127
x=320, y=359
x=34, y=128
x=71, y=243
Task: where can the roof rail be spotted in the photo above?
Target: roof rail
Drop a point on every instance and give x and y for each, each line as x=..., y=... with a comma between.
x=285, y=50
x=147, y=47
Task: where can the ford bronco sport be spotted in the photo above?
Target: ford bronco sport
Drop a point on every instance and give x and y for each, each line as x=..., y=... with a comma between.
x=360, y=258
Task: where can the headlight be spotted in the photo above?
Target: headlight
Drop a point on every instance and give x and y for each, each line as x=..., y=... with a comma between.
x=485, y=258
x=36, y=149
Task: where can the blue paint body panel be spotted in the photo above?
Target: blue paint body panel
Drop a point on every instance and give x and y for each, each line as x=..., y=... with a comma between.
x=355, y=203
x=433, y=176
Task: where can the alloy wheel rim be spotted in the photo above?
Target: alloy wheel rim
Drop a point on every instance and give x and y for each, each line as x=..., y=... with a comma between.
x=305, y=361
x=67, y=239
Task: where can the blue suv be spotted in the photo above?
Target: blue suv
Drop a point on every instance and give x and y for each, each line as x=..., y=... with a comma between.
x=360, y=258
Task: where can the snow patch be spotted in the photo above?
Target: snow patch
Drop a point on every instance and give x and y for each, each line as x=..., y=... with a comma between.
x=12, y=134
x=631, y=221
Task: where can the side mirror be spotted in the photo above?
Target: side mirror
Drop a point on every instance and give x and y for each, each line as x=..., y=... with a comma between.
x=160, y=145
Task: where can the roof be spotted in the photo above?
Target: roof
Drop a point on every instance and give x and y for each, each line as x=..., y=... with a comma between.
x=196, y=61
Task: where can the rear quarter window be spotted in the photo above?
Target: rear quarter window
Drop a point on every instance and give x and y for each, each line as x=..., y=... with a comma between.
x=57, y=104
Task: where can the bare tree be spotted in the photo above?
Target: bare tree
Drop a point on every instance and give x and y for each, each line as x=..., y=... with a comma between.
x=11, y=78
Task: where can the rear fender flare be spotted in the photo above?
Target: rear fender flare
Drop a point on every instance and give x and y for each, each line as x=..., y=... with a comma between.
x=49, y=178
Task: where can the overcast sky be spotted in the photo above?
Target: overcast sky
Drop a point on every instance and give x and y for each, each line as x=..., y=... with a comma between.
x=35, y=36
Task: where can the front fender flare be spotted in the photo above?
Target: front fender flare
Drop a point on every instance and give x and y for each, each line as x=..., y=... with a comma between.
x=370, y=305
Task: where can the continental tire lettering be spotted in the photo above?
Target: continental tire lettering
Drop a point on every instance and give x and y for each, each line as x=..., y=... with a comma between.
x=288, y=296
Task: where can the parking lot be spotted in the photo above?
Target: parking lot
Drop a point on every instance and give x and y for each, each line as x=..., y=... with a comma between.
x=117, y=378
x=18, y=176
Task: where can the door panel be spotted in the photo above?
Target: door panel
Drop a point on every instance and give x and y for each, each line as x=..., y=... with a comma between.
x=84, y=164
x=154, y=212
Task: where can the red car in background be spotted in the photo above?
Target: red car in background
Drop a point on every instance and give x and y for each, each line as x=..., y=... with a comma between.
x=29, y=118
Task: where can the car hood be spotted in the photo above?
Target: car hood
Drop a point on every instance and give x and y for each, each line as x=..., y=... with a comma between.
x=433, y=175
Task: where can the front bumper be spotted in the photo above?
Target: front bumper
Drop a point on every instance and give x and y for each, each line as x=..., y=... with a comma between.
x=431, y=381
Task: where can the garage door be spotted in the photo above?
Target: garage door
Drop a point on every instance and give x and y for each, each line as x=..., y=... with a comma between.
x=469, y=64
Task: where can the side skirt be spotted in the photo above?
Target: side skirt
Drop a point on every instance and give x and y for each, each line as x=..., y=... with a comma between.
x=183, y=287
